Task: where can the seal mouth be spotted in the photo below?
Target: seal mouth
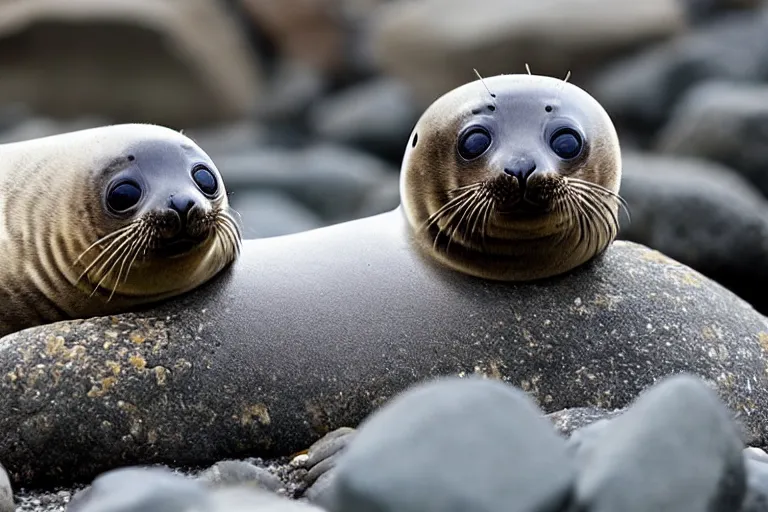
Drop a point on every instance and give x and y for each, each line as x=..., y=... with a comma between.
x=178, y=246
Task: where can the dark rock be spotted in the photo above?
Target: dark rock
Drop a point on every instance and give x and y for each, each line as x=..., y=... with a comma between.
x=701, y=214
x=6, y=492
x=568, y=421
x=322, y=458
x=723, y=122
x=144, y=489
x=300, y=338
x=675, y=449
x=757, y=485
x=127, y=61
x=433, y=45
x=376, y=116
x=266, y=213
x=333, y=180
x=231, y=472
x=293, y=88
x=705, y=10
x=222, y=140
x=640, y=92
x=470, y=444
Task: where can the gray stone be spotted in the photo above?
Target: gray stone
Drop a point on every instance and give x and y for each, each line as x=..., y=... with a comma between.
x=225, y=139
x=757, y=485
x=706, y=10
x=675, y=449
x=238, y=472
x=433, y=45
x=244, y=499
x=267, y=213
x=640, y=92
x=454, y=444
x=293, y=88
x=178, y=62
x=311, y=332
x=6, y=492
x=331, y=179
x=377, y=116
x=701, y=214
x=726, y=122
x=145, y=489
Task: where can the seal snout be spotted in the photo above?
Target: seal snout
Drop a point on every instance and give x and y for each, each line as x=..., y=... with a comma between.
x=521, y=168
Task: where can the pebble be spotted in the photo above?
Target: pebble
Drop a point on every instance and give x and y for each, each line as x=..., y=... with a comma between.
x=450, y=444
x=229, y=472
x=675, y=449
x=145, y=489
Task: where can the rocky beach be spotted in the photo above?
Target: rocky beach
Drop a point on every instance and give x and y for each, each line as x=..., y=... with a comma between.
x=639, y=382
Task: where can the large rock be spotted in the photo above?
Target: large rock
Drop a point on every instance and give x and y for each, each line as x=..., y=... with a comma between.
x=453, y=444
x=702, y=214
x=640, y=92
x=726, y=122
x=434, y=44
x=311, y=332
x=157, y=61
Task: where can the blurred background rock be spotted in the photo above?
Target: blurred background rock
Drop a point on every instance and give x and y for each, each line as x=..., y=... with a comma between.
x=306, y=105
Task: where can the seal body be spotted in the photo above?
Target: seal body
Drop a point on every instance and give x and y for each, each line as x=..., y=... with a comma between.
x=101, y=220
x=515, y=177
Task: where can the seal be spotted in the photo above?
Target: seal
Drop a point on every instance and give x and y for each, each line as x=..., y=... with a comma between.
x=513, y=178
x=102, y=220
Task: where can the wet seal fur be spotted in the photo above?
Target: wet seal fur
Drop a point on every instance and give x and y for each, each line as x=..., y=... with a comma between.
x=99, y=221
x=513, y=178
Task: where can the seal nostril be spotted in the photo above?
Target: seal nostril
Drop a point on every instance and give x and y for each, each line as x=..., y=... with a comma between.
x=182, y=204
x=521, y=169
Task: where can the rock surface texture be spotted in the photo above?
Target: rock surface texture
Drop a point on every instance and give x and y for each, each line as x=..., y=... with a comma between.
x=198, y=380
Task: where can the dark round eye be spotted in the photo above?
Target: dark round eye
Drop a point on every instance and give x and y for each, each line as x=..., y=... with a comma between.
x=205, y=179
x=566, y=143
x=123, y=196
x=474, y=143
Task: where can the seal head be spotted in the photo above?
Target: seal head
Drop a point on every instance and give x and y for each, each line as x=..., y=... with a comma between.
x=514, y=178
x=99, y=221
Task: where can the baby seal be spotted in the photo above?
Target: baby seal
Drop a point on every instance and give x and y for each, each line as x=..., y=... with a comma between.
x=98, y=221
x=513, y=178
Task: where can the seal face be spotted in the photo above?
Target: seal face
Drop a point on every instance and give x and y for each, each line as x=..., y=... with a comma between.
x=98, y=221
x=514, y=177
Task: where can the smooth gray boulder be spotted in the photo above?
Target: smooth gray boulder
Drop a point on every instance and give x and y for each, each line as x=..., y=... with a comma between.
x=291, y=344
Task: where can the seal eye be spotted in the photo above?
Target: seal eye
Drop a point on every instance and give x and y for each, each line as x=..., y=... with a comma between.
x=205, y=179
x=474, y=143
x=123, y=196
x=566, y=143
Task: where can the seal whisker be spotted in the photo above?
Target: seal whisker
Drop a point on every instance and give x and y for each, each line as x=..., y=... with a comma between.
x=598, y=219
x=102, y=240
x=143, y=241
x=450, y=205
x=594, y=186
x=470, y=206
x=476, y=212
x=116, y=255
x=133, y=248
x=108, y=250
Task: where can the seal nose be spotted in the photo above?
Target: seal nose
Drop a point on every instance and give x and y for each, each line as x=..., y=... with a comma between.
x=181, y=203
x=521, y=168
